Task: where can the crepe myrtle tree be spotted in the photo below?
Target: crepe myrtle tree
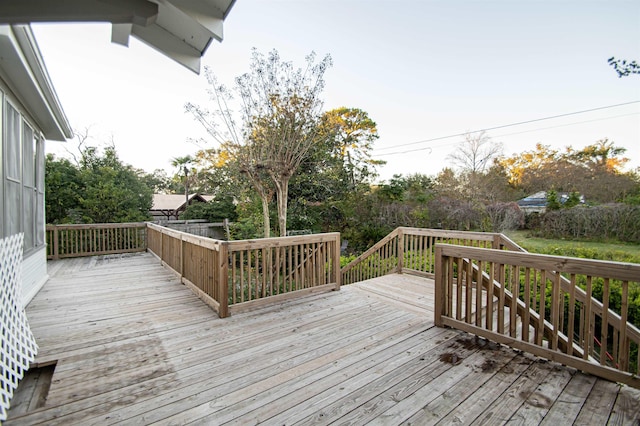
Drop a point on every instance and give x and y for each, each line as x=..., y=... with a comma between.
x=267, y=122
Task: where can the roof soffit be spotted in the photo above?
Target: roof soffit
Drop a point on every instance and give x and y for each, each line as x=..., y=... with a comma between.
x=24, y=68
x=180, y=29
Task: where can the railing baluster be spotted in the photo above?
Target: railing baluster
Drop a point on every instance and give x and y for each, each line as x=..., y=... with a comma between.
x=490, y=302
x=479, y=295
x=555, y=310
x=515, y=293
x=604, y=327
x=572, y=310
x=501, y=297
x=623, y=351
x=541, y=307
x=526, y=318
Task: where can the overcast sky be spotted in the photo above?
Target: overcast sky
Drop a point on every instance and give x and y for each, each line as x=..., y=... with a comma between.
x=423, y=70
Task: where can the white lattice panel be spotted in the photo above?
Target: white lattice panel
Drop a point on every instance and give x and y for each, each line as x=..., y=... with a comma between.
x=18, y=347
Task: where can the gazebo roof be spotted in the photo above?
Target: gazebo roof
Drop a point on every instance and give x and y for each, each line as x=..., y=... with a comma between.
x=173, y=201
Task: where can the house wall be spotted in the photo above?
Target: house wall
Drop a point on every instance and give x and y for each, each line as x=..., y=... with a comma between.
x=34, y=274
x=22, y=185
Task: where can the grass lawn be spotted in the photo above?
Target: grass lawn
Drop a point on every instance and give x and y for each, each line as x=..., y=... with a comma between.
x=620, y=252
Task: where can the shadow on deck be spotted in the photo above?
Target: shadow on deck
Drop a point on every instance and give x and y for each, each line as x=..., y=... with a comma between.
x=133, y=345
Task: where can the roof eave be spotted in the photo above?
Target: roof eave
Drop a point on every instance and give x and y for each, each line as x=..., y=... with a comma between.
x=24, y=67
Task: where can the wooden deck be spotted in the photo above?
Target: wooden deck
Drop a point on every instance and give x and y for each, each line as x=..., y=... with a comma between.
x=134, y=346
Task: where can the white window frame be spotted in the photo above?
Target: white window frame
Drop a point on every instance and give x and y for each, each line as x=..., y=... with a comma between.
x=31, y=189
x=2, y=100
x=12, y=178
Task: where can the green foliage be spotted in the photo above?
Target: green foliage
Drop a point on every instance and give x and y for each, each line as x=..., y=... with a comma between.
x=572, y=201
x=613, y=221
x=345, y=260
x=101, y=189
x=62, y=189
x=249, y=224
x=553, y=202
x=213, y=211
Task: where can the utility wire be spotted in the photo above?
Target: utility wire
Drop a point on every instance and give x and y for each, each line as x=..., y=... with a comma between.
x=503, y=135
x=498, y=127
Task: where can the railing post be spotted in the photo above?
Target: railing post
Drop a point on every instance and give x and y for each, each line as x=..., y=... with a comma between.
x=400, y=250
x=496, y=243
x=56, y=252
x=145, y=234
x=223, y=280
x=336, y=262
x=439, y=271
x=181, y=257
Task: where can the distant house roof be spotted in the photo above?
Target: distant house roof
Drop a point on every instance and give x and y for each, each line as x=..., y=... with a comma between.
x=169, y=206
x=539, y=199
x=538, y=202
x=174, y=201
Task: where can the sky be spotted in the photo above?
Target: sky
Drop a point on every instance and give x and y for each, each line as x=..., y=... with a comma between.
x=426, y=72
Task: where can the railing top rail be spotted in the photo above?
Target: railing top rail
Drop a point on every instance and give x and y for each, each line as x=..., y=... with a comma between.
x=281, y=241
x=51, y=227
x=442, y=233
x=238, y=245
x=601, y=268
x=393, y=234
x=510, y=244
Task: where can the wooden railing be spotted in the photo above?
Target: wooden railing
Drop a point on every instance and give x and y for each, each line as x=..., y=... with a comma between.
x=95, y=239
x=411, y=250
x=201, y=263
x=273, y=268
x=232, y=276
x=544, y=305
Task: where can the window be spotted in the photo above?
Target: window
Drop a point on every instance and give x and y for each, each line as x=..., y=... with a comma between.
x=40, y=214
x=2, y=150
x=29, y=191
x=13, y=184
x=23, y=199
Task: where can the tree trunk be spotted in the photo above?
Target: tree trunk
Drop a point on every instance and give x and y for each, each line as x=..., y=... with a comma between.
x=265, y=214
x=265, y=197
x=282, y=195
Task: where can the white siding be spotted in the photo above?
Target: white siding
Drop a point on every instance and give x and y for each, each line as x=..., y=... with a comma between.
x=34, y=274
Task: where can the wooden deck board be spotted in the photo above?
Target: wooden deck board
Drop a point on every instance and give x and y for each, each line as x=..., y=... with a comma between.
x=133, y=345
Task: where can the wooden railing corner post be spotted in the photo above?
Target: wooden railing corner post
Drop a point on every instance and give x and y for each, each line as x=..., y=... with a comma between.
x=400, y=250
x=56, y=252
x=223, y=280
x=496, y=243
x=181, y=257
x=337, y=273
x=161, y=254
x=439, y=272
x=146, y=236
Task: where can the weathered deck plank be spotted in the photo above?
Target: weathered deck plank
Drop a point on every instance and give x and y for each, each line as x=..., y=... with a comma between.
x=133, y=345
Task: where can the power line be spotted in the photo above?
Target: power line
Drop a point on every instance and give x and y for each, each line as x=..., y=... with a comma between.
x=499, y=127
x=508, y=134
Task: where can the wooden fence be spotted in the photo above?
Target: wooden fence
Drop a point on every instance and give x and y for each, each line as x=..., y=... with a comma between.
x=94, y=239
x=544, y=305
x=411, y=250
x=232, y=276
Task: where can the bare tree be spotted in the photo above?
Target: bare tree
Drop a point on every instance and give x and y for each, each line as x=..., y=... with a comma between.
x=475, y=154
x=279, y=109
